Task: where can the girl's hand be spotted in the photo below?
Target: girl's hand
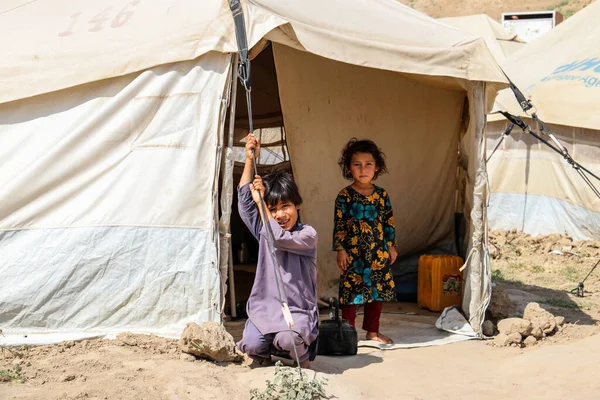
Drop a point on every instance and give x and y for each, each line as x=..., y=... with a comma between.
x=393, y=254
x=257, y=189
x=343, y=260
x=252, y=143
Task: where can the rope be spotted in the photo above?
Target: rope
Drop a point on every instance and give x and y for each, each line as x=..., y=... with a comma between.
x=579, y=289
x=245, y=79
x=504, y=135
x=581, y=170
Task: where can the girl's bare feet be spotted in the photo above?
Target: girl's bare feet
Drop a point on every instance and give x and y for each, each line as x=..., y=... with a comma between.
x=378, y=337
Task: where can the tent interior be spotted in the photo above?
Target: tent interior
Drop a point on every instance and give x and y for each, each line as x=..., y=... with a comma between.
x=427, y=150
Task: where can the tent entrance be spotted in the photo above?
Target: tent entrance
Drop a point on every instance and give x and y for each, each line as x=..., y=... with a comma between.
x=270, y=130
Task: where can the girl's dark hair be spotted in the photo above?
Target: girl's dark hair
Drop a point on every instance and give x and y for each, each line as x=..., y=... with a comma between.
x=280, y=186
x=361, y=146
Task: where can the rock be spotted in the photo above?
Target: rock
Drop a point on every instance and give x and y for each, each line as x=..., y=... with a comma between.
x=540, y=317
x=501, y=306
x=67, y=378
x=529, y=341
x=515, y=325
x=560, y=320
x=503, y=340
x=537, y=333
x=210, y=341
x=187, y=357
x=488, y=328
x=515, y=338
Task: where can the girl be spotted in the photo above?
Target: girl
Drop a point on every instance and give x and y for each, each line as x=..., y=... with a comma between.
x=296, y=252
x=364, y=237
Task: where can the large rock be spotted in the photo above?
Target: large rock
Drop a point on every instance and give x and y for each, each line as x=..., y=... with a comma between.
x=515, y=325
x=210, y=341
x=540, y=317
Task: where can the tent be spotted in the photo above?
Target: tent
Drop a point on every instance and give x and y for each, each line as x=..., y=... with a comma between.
x=117, y=128
x=533, y=188
x=498, y=39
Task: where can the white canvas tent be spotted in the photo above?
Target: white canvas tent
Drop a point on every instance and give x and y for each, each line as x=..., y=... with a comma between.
x=533, y=188
x=498, y=39
x=113, y=145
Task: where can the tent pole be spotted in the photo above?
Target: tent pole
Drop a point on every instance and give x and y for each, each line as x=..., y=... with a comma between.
x=230, y=139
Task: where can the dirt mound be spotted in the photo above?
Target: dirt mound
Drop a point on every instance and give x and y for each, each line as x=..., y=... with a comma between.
x=511, y=244
x=150, y=343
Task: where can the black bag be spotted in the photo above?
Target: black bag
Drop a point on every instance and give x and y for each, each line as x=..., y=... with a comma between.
x=336, y=336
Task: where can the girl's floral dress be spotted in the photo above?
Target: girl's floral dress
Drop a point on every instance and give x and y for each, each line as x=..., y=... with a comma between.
x=364, y=227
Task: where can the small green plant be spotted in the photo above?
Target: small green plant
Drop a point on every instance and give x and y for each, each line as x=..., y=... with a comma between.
x=288, y=385
x=12, y=374
x=497, y=275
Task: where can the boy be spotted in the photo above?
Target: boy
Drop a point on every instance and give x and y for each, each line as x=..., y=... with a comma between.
x=296, y=252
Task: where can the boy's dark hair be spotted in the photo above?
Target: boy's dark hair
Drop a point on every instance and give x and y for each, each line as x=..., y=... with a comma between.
x=361, y=146
x=280, y=186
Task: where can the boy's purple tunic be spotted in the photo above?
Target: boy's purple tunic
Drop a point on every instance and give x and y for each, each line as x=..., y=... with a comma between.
x=296, y=253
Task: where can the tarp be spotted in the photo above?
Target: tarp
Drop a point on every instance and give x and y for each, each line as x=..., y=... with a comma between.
x=112, y=133
x=560, y=72
x=107, y=218
x=62, y=43
x=497, y=38
x=533, y=188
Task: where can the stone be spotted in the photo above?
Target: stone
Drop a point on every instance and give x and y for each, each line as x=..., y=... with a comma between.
x=210, y=341
x=560, y=320
x=529, y=341
x=67, y=378
x=515, y=325
x=515, y=338
x=540, y=317
x=488, y=328
x=501, y=340
x=187, y=357
x=504, y=340
x=537, y=333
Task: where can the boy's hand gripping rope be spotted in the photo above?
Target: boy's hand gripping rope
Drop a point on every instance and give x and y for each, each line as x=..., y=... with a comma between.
x=244, y=75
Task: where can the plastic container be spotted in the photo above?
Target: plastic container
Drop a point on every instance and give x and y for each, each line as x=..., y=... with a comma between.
x=440, y=282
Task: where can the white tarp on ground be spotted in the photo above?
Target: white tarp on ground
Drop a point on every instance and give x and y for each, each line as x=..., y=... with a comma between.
x=450, y=327
x=533, y=188
x=111, y=122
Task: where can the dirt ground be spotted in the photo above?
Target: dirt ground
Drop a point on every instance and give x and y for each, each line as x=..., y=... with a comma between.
x=493, y=8
x=525, y=268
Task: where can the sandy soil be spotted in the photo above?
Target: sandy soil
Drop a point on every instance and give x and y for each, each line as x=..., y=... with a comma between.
x=526, y=269
x=104, y=369
x=493, y=8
